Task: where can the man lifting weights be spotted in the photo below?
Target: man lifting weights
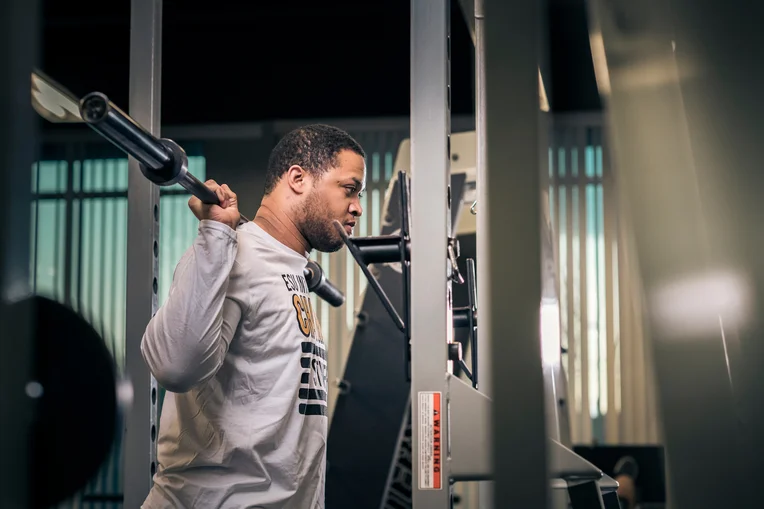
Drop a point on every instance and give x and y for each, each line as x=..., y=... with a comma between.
x=237, y=344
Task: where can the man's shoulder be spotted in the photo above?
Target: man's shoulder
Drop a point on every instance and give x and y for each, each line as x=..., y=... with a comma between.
x=262, y=258
x=261, y=268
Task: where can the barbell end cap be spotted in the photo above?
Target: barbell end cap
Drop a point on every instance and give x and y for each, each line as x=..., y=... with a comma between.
x=94, y=107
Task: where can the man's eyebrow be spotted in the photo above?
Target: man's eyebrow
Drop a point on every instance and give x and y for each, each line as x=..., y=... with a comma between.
x=359, y=184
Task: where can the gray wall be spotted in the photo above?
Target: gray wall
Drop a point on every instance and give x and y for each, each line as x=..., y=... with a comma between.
x=241, y=164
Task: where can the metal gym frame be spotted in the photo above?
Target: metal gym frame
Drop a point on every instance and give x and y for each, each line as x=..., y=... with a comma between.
x=151, y=161
x=710, y=429
x=447, y=444
x=433, y=397
x=141, y=425
x=459, y=434
x=20, y=26
x=443, y=406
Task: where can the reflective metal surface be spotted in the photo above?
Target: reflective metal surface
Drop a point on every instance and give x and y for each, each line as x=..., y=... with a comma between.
x=431, y=320
x=124, y=132
x=512, y=260
x=141, y=423
x=681, y=82
x=19, y=23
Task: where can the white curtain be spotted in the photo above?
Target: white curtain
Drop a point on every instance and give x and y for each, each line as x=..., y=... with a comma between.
x=639, y=421
x=607, y=361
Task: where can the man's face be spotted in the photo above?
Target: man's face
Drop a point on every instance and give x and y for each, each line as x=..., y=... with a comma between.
x=336, y=195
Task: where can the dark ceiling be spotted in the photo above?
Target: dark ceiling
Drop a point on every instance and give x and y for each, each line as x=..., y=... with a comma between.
x=245, y=61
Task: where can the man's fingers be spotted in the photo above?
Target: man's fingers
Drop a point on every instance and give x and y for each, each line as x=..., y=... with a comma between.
x=225, y=196
x=221, y=197
x=230, y=194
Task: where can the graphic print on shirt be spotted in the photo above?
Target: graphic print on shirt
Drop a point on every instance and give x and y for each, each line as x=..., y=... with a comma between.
x=313, y=380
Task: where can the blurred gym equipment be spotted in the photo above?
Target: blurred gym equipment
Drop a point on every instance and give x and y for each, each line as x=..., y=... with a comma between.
x=681, y=84
x=53, y=365
x=381, y=343
x=19, y=22
x=71, y=436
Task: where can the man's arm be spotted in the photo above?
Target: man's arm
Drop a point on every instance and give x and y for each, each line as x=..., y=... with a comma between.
x=186, y=341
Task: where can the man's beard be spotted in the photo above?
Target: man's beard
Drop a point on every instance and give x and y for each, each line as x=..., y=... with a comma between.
x=317, y=227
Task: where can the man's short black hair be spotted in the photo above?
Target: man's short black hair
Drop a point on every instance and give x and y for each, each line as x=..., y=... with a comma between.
x=313, y=147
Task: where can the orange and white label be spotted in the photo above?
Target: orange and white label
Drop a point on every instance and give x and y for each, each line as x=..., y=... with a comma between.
x=430, y=450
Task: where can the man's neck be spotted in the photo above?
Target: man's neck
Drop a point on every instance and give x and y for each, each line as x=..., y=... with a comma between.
x=280, y=226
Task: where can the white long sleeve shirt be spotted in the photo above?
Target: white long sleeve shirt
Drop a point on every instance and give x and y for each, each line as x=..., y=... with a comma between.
x=240, y=352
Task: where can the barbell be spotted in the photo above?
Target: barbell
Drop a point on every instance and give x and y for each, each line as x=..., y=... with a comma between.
x=164, y=162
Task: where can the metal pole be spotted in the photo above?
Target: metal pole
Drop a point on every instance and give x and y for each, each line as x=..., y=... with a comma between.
x=124, y=132
x=485, y=488
x=513, y=254
x=484, y=340
x=18, y=144
x=142, y=253
x=431, y=319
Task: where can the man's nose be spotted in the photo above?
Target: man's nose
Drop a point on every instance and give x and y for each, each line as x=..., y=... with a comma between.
x=355, y=208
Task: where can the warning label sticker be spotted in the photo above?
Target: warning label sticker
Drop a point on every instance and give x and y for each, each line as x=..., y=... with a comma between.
x=429, y=441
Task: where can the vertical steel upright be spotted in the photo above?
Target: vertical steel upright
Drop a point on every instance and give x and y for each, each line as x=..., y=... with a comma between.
x=513, y=257
x=19, y=22
x=142, y=253
x=485, y=488
x=431, y=317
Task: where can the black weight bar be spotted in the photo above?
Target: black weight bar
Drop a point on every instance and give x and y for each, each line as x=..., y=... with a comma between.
x=165, y=163
x=318, y=284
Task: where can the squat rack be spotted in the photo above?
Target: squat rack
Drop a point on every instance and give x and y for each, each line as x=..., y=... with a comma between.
x=509, y=291
x=511, y=294
x=509, y=282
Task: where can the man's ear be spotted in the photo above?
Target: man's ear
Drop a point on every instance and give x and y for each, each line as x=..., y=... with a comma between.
x=297, y=179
